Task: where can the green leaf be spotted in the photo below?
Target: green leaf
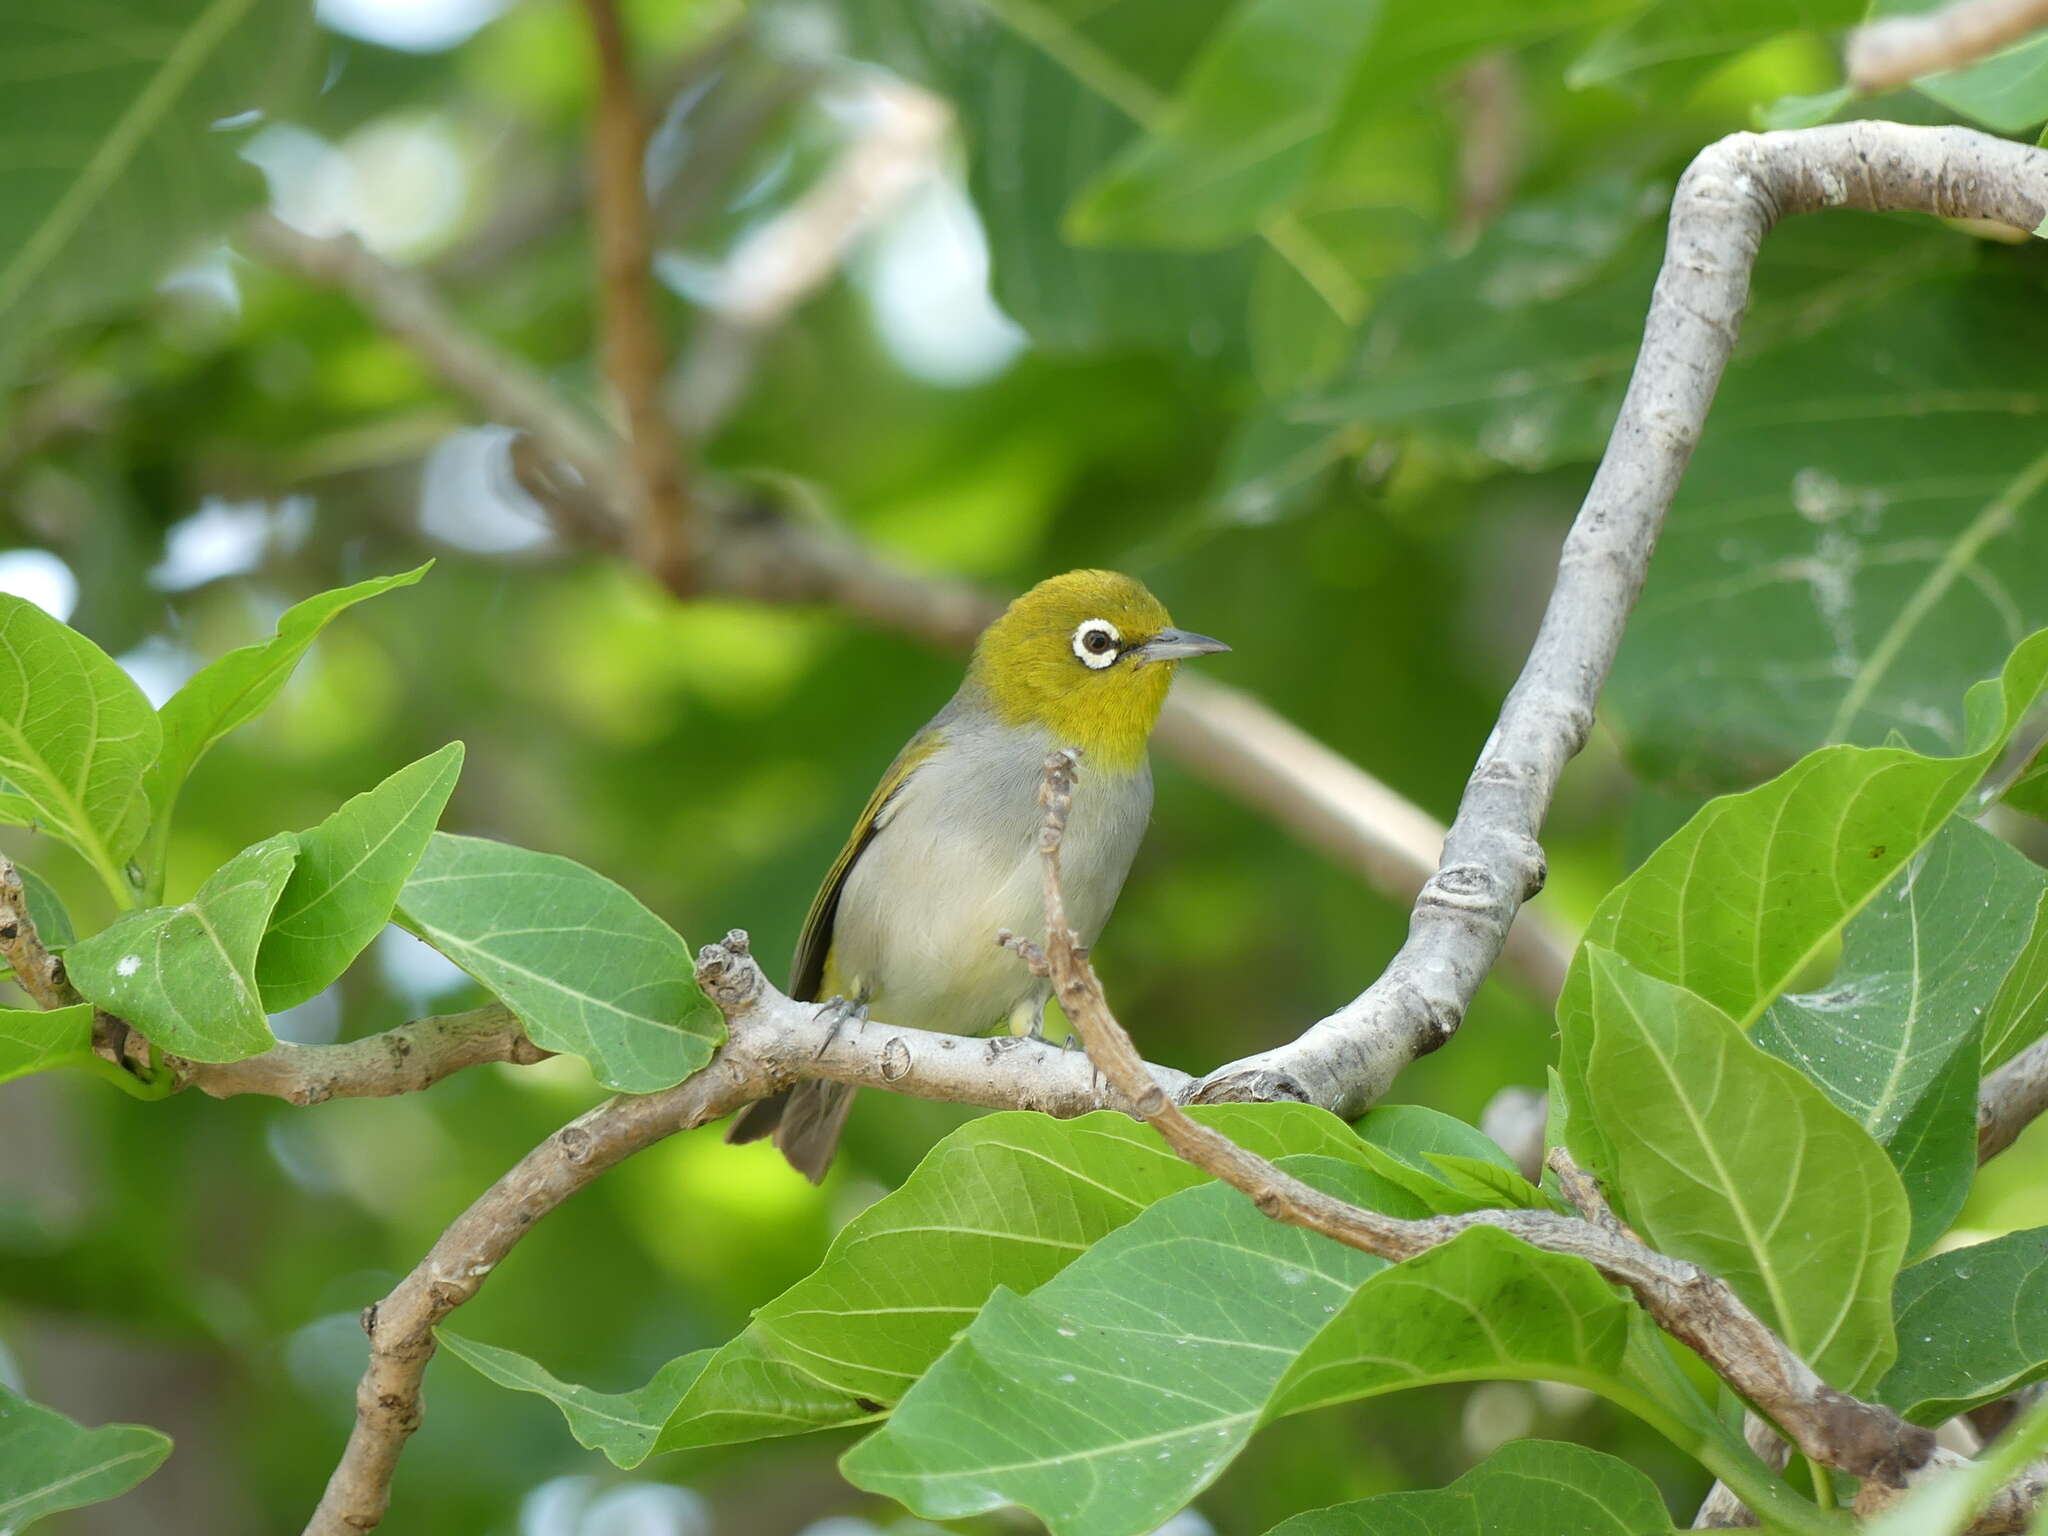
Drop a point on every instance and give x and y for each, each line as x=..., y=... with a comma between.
x=1527, y=1486
x=229, y=692
x=1973, y=1326
x=1049, y=92
x=75, y=737
x=1105, y=1399
x=1448, y=1165
x=351, y=868
x=1196, y=1324
x=2018, y=1015
x=1007, y=1200
x=48, y=1463
x=1854, y=543
x=1242, y=133
x=35, y=1039
x=1673, y=44
x=113, y=164
x=620, y=1424
x=1753, y=889
x=186, y=975
x=587, y=968
x=1894, y=1037
x=1729, y=1157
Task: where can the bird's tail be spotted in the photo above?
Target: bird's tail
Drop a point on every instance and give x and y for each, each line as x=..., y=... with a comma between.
x=805, y=1122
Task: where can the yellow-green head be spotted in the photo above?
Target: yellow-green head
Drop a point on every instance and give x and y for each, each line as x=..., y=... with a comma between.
x=1088, y=655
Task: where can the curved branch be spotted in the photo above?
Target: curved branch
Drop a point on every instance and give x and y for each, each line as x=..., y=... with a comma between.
x=1898, y=50
x=1726, y=203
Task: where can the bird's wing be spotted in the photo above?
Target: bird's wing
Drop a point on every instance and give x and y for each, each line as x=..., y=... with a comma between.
x=808, y=973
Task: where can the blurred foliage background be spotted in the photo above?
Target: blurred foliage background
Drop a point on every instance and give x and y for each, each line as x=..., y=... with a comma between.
x=1323, y=351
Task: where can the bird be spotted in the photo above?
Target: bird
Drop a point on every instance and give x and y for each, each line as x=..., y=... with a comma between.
x=945, y=853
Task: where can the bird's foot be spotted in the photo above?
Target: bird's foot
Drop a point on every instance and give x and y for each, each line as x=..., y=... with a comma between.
x=841, y=1011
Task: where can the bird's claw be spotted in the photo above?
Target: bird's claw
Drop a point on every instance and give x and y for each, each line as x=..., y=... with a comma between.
x=841, y=1011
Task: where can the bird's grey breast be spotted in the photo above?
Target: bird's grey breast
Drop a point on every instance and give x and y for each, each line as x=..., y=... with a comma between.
x=955, y=859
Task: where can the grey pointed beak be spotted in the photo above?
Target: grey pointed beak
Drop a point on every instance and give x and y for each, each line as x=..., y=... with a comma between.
x=1176, y=645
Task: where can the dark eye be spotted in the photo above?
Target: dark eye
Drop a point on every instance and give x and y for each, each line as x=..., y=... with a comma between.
x=1096, y=642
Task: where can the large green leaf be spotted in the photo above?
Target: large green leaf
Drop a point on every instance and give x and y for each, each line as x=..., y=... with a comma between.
x=587, y=968
x=620, y=1424
x=351, y=868
x=1519, y=350
x=48, y=1463
x=1729, y=1157
x=1109, y=1397
x=1973, y=1326
x=1008, y=1200
x=1105, y=1399
x=1526, y=1488
x=233, y=690
x=75, y=737
x=1755, y=887
x=36, y=1039
x=113, y=162
x=186, y=975
x=1242, y=134
x=1920, y=967
x=1863, y=530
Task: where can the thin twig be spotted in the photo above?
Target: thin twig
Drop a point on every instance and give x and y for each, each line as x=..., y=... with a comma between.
x=1898, y=50
x=1722, y=1509
x=1865, y=1439
x=632, y=331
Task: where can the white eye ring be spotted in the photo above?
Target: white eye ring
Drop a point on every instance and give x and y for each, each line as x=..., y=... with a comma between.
x=1088, y=644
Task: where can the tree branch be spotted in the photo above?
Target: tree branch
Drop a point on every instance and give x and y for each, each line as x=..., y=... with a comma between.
x=632, y=332
x=1726, y=203
x=2013, y=1098
x=1898, y=50
x=408, y=1059
x=773, y=1042
x=36, y=971
x=1865, y=1439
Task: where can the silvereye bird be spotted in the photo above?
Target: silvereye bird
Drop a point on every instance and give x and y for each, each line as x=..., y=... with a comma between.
x=946, y=852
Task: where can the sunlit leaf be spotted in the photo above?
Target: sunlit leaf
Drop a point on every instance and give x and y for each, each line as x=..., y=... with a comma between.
x=1526, y=1488
x=48, y=1463
x=587, y=968
x=75, y=737
x=1973, y=1326
x=1726, y=1156
x=186, y=975
x=1920, y=967
x=350, y=870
